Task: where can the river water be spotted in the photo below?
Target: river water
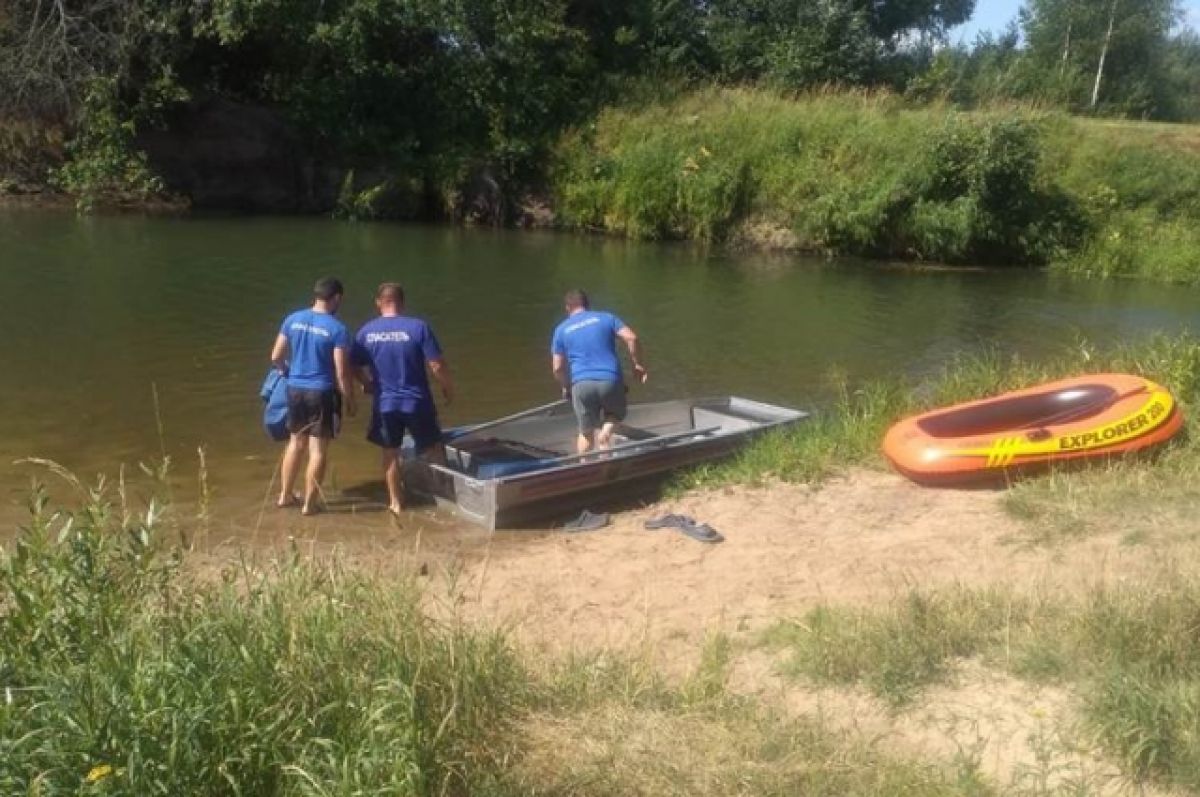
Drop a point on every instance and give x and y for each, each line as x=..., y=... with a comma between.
x=127, y=337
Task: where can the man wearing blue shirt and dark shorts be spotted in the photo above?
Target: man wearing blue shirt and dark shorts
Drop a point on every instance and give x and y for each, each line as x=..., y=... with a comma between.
x=392, y=354
x=312, y=351
x=584, y=361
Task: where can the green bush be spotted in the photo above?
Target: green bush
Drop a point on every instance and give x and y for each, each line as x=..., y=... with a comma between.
x=846, y=173
x=102, y=162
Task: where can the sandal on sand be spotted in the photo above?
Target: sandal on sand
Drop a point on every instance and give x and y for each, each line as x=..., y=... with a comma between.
x=587, y=521
x=668, y=522
x=702, y=532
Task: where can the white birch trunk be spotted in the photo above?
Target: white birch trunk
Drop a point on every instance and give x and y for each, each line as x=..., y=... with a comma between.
x=1112, y=15
x=1066, y=56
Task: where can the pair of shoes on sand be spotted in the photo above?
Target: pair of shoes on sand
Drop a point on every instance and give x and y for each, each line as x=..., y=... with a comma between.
x=701, y=532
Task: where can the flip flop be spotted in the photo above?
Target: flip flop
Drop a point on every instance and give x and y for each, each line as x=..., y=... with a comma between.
x=587, y=521
x=668, y=522
x=701, y=532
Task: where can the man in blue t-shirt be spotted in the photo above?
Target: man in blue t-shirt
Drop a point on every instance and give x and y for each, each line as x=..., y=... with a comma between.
x=585, y=363
x=312, y=350
x=392, y=354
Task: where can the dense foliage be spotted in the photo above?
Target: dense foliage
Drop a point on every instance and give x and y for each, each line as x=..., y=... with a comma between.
x=1123, y=58
x=872, y=175
x=433, y=94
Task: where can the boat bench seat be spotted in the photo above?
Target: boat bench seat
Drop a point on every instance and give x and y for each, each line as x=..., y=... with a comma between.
x=487, y=457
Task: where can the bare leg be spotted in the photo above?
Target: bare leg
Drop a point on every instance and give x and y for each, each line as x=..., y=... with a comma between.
x=391, y=475
x=297, y=445
x=318, y=448
x=584, y=442
x=604, y=436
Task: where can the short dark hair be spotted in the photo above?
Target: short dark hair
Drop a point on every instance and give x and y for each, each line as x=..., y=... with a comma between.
x=390, y=292
x=328, y=287
x=577, y=298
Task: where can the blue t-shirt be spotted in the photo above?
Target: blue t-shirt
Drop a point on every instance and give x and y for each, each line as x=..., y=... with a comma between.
x=396, y=349
x=589, y=342
x=312, y=337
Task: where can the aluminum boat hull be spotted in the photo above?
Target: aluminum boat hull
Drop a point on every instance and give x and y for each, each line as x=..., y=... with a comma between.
x=521, y=472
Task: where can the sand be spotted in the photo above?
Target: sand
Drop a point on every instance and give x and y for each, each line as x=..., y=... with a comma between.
x=860, y=539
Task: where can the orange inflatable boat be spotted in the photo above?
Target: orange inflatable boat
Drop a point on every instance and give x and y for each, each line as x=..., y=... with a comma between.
x=1072, y=419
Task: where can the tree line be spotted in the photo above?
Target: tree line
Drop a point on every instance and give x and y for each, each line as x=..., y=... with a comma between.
x=432, y=84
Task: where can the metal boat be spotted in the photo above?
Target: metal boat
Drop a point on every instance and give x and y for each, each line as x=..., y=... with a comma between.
x=522, y=469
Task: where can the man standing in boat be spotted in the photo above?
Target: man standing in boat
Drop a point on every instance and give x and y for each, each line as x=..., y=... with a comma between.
x=312, y=350
x=585, y=363
x=392, y=354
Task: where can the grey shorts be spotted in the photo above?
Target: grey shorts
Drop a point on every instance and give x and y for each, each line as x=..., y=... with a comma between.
x=596, y=402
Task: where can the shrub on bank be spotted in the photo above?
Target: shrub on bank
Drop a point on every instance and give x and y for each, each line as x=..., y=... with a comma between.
x=844, y=173
x=869, y=175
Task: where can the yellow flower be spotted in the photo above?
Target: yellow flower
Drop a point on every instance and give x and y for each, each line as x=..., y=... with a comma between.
x=99, y=773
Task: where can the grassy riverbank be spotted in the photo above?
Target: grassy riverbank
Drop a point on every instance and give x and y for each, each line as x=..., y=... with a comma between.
x=840, y=172
x=1135, y=492
x=1129, y=652
x=124, y=672
x=127, y=669
x=870, y=174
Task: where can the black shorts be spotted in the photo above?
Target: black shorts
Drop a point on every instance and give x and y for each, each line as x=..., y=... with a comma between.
x=316, y=413
x=387, y=429
x=597, y=403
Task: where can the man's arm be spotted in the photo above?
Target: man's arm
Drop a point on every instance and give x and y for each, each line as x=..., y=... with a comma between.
x=279, y=354
x=341, y=364
x=558, y=364
x=635, y=352
x=441, y=374
x=360, y=365
x=363, y=374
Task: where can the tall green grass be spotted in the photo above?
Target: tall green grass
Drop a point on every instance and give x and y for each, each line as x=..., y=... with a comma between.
x=848, y=432
x=870, y=174
x=1131, y=652
x=118, y=669
x=124, y=671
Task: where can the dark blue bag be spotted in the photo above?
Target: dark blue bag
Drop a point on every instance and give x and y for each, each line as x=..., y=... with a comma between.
x=274, y=396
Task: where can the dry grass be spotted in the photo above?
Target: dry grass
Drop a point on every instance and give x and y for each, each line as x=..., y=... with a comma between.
x=615, y=749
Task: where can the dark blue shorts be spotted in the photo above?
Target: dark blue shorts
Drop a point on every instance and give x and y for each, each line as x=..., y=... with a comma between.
x=387, y=429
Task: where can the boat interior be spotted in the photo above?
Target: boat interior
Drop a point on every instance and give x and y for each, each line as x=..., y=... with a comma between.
x=1021, y=412
x=548, y=440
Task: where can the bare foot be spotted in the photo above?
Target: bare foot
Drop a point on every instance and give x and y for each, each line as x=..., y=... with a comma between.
x=310, y=510
x=396, y=509
x=286, y=501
